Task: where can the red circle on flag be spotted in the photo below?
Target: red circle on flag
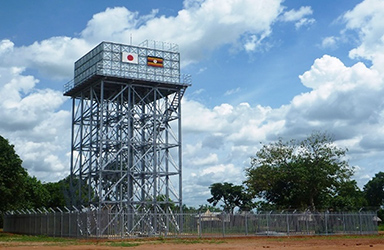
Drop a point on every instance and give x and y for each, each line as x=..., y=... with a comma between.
x=130, y=57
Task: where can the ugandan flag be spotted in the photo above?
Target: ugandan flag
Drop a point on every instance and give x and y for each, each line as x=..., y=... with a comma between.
x=155, y=61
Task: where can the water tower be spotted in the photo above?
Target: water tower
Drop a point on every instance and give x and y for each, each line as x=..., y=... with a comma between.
x=126, y=155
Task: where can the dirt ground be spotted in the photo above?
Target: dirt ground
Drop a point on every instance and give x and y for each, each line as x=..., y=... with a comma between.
x=287, y=243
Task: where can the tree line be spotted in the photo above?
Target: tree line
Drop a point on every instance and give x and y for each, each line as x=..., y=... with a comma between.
x=18, y=190
x=309, y=174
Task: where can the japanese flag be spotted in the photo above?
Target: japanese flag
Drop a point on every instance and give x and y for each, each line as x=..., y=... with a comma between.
x=130, y=57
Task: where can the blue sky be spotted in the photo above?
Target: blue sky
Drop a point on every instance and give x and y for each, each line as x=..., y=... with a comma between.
x=261, y=69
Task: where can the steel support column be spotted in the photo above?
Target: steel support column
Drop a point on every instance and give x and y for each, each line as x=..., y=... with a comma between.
x=126, y=158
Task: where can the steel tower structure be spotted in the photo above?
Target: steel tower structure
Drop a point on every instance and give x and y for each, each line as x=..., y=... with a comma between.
x=126, y=136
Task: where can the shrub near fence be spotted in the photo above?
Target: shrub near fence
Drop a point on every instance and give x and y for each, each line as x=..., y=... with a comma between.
x=105, y=224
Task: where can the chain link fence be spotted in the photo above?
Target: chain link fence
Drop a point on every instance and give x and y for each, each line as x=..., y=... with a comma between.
x=88, y=223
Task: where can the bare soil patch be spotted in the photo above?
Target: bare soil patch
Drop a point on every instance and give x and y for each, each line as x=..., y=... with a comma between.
x=243, y=243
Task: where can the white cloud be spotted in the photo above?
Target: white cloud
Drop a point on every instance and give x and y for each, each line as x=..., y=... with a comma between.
x=198, y=29
x=53, y=58
x=341, y=95
x=304, y=22
x=329, y=42
x=298, y=16
x=366, y=19
x=118, y=24
x=344, y=100
x=208, y=160
x=254, y=42
x=206, y=121
x=6, y=46
x=32, y=121
x=202, y=26
x=201, y=70
x=222, y=170
x=232, y=91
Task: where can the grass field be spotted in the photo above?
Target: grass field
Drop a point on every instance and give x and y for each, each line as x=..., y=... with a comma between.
x=15, y=241
x=23, y=242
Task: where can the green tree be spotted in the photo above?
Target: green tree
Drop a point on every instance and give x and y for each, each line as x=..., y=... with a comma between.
x=57, y=193
x=35, y=195
x=374, y=190
x=12, y=177
x=307, y=174
x=231, y=195
x=348, y=197
x=17, y=189
x=79, y=192
x=271, y=175
x=185, y=209
x=205, y=207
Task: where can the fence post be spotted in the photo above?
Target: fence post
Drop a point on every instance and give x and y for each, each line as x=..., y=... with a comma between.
x=77, y=221
x=69, y=221
x=222, y=223
x=287, y=217
x=61, y=221
x=40, y=219
x=122, y=222
x=268, y=215
x=199, y=225
x=85, y=221
x=98, y=222
x=326, y=221
x=29, y=218
x=246, y=222
x=54, y=221
x=47, y=220
x=34, y=220
x=360, y=222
